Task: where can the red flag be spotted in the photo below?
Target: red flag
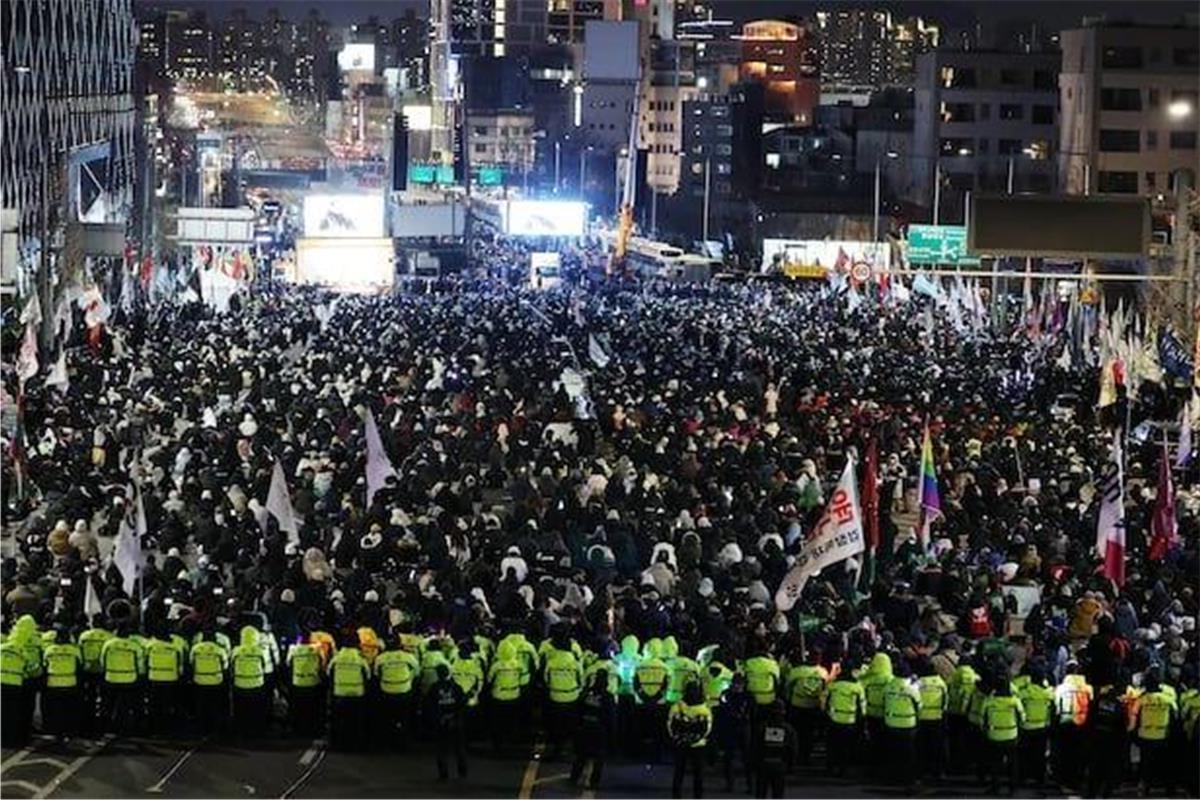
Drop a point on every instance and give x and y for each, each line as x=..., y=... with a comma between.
x=147, y=271
x=870, y=496
x=1164, y=531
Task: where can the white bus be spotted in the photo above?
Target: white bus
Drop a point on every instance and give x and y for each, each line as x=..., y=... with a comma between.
x=657, y=260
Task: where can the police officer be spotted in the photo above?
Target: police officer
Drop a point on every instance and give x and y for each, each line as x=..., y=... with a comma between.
x=209, y=663
x=650, y=689
x=124, y=665
x=164, y=671
x=845, y=706
x=443, y=710
x=1155, y=713
x=60, y=701
x=959, y=691
x=593, y=734
x=762, y=678
x=348, y=675
x=563, y=676
x=733, y=713
x=28, y=639
x=248, y=664
x=1003, y=715
x=396, y=673
x=15, y=722
x=681, y=670
x=901, y=706
x=467, y=672
x=1072, y=704
x=91, y=643
x=773, y=746
x=931, y=729
x=505, y=681
x=805, y=688
x=305, y=693
x=688, y=724
x=1037, y=699
x=1107, y=741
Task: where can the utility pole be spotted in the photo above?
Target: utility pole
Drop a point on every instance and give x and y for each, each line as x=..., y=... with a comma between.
x=557, y=160
x=875, y=219
x=707, y=192
x=937, y=191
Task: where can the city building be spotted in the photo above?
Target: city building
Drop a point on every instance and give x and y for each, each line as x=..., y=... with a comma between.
x=67, y=84
x=189, y=49
x=566, y=20
x=672, y=82
x=867, y=47
x=781, y=56
x=501, y=140
x=883, y=136
x=310, y=68
x=980, y=117
x=611, y=76
x=1130, y=111
x=152, y=42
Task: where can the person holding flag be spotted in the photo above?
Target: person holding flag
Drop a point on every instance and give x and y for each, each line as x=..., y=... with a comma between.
x=930, y=498
x=1110, y=526
x=1164, y=531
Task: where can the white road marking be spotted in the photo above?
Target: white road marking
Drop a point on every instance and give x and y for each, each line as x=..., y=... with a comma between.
x=316, y=763
x=32, y=788
x=53, y=762
x=529, y=779
x=65, y=775
x=317, y=746
x=15, y=759
x=179, y=762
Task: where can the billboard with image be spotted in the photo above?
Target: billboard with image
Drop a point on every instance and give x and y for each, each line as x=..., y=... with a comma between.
x=545, y=218
x=815, y=258
x=357, y=57
x=353, y=265
x=343, y=216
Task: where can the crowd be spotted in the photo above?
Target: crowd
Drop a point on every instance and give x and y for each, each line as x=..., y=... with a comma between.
x=560, y=551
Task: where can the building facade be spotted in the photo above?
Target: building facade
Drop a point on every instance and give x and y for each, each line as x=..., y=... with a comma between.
x=979, y=117
x=781, y=56
x=1130, y=111
x=869, y=47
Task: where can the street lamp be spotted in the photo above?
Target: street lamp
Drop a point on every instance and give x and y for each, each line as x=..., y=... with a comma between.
x=1179, y=109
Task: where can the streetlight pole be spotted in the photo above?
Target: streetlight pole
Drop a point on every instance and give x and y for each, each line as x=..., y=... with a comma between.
x=937, y=191
x=875, y=220
x=557, y=158
x=1011, y=169
x=582, y=170
x=707, y=191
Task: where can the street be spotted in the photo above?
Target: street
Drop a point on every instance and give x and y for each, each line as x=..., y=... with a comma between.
x=119, y=768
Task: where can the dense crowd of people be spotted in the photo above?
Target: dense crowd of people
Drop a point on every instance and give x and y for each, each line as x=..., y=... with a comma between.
x=570, y=547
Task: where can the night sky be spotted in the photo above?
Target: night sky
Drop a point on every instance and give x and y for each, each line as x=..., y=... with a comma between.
x=954, y=13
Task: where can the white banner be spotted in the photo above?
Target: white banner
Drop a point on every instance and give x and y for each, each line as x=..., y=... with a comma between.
x=838, y=535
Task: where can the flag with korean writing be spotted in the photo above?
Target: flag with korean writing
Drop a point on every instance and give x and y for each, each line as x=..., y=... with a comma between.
x=838, y=535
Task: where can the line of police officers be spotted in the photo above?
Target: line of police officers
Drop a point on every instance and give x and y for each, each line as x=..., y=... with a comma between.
x=768, y=712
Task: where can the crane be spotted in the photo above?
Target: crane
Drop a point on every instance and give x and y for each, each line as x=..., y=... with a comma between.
x=616, y=261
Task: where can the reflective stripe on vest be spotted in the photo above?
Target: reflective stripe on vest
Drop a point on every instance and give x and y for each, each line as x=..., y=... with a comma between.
x=1154, y=717
x=843, y=702
x=1000, y=717
x=163, y=660
x=933, y=698
x=12, y=666
x=120, y=662
x=62, y=666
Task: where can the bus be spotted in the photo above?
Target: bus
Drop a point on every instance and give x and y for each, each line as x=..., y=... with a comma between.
x=663, y=261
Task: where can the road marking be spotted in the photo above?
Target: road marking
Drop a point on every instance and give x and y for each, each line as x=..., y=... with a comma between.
x=179, y=762
x=54, y=762
x=588, y=793
x=317, y=746
x=65, y=775
x=32, y=788
x=562, y=776
x=531, y=770
x=15, y=759
x=305, y=776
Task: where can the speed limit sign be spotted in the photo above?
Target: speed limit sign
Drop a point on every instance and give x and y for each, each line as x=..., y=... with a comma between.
x=861, y=272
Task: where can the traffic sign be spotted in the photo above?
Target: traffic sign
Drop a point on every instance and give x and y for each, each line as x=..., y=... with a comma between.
x=938, y=244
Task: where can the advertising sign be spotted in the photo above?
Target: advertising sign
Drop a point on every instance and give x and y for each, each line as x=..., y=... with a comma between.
x=938, y=244
x=546, y=218
x=357, y=57
x=814, y=258
x=361, y=265
x=342, y=216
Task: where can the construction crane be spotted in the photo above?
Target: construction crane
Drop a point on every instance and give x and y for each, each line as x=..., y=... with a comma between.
x=616, y=261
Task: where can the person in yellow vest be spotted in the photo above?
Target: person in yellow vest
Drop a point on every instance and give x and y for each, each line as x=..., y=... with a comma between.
x=978, y=751
x=804, y=686
x=626, y=661
x=91, y=642
x=563, y=677
x=1037, y=699
x=438, y=652
x=248, y=664
x=396, y=674
x=164, y=672
x=1155, y=714
x=467, y=672
x=959, y=690
x=124, y=667
x=845, y=707
x=348, y=675
x=901, y=707
x=931, y=728
x=305, y=689
x=650, y=691
x=209, y=663
x=681, y=670
x=505, y=682
x=1189, y=742
x=1003, y=716
x=369, y=645
x=1072, y=707
x=61, y=699
x=762, y=678
x=28, y=638
x=689, y=724
x=875, y=680
x=15, y=723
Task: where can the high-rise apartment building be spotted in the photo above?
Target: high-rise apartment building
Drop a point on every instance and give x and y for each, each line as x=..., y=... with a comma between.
x=868, y=47
x=781, y=56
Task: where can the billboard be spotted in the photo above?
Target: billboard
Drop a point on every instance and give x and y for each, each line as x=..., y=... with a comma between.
x=431, y=219
x=355, y=265
x=357, y=57
x=214, y=225
x=612, y=50
x=545, y=218
x=342, y=216
x=544, y=270
x=938, y=244
x=814, y=258
x=1043, y=226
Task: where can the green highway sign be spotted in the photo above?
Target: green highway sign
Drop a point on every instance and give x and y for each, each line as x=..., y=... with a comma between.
x=421, y=173
x=490, y=176
x=938, y=244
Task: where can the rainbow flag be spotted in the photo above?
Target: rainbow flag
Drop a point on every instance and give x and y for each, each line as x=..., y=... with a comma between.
x=931, y=499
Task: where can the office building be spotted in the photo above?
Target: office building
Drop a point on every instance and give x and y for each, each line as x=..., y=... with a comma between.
x=868, y=47
x=1130, y=112
x=781, y=56
x=189, y=45
x=722, y=135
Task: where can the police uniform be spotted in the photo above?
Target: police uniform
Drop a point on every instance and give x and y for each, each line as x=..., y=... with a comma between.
x=164, y=671
x=931, y=730
x=773, y=746
x=60, y=701
x=1072, y=704
x=959, y=691
x=91, y=643
x=650, y=688
x=15, y=723
x=689, y=723
x=564, y=682
x=1003, y=715
x=348, y=675
x=845, y=707
x=209, y=662
x=248, y=665
x=396, y=673
x=505, y=681
x=901, y=707
x=443, y=711
x=597, y=717
x=1037, y=699
x=1155, y=713
x=805, y=690
x=305, y=693
x=124, y=666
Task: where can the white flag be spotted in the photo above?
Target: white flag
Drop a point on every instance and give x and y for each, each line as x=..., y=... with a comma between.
x=379, y=467
x=1110, y=527
x=91, y=600
x=27, y=356
x=127, y=551
x=597, y=353
x=58, y=373
x=279, y=503
x=31, y=314
x=838, y=535
x=1185, y=437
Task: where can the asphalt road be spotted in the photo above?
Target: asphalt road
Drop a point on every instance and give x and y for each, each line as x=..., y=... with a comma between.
x=297, y=768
